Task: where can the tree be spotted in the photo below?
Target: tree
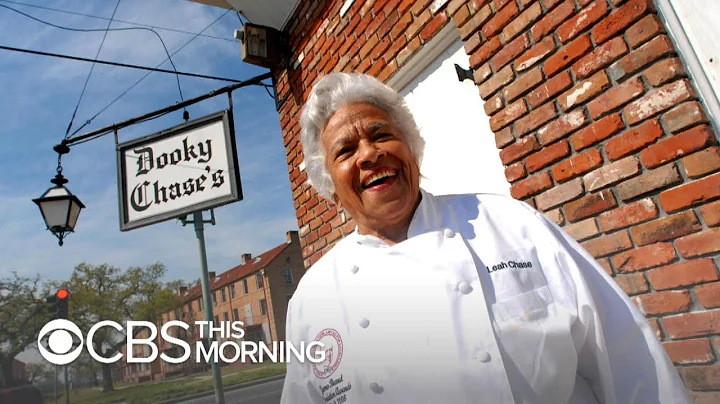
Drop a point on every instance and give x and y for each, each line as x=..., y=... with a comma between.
x=104, y=292
x=22, y=313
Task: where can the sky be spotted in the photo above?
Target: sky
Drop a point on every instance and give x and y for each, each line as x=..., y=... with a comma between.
x=38, y=95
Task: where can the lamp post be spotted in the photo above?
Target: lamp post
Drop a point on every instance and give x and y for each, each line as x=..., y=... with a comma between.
x=59, y=207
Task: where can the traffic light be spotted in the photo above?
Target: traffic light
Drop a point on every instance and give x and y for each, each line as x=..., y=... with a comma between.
x=58, y=304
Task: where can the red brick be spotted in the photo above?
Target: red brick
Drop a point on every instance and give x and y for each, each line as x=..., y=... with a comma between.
x=658, y=101
x=388, y=71
x=664, y=71
x=396, y=46
x=621, y=19
x=380, y=48
x=616, y=97
x=636, y=139
x=647, y=28
x=566, y=124
x=597, y=132
x=400, y=26
x=472, y=25
x=472, y=43
x=493, y=105
x=611, y=173
x=504, y=138
x=703, y=377
x=518, y=25
x=535, y=119
x=709, y=295
x=666, y=228
x=559, y=194
x=590, y=205
x=552, y=19
x=519, y=149
x=535, y=54
x=582, y=20
x=500, y=20
x=648, y=182
x=521, y=85
x=556, y=216
x=632, y=284
x=515, y=172
x=684, y=116
x=547, y=156
x=509, y=52
x=697, y=324
x=640, y=58
x=706, y=242
x=531, y=186
x=633, y=213
x=577, y=165
x=419, y=6
x=567, y=55
x=606, y=245
x=582, y=230
x=584, y=91
x=646, y=257
x=418, y=24
x=659, y=303
x=408, y=51
x=552, y=87
x=711, y=213
x=599, y=58
x=433, y=26
x=702, y=163
x=508, y=115
x=677, y=146
x=692, y=351
x=683, y=274
x=483, y=72
x=607, y=266
x=497, y=4
x=493, y=84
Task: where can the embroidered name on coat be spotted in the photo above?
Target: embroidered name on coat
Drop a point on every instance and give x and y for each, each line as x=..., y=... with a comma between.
x=509, y=264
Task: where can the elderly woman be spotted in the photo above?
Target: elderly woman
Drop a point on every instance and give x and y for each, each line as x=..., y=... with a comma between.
x=450, y=299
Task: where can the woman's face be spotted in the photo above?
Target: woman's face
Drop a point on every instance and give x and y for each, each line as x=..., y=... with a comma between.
x=375, y=174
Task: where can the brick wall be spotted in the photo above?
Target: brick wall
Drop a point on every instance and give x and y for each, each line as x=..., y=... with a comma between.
x=596, y=120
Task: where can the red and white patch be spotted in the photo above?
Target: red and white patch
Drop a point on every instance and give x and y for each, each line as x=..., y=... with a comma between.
x=333, y=346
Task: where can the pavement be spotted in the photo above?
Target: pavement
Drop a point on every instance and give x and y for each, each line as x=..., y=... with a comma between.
x=263, y=391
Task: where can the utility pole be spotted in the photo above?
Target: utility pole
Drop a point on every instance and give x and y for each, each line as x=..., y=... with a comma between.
x=200, y=234
x=67, y=387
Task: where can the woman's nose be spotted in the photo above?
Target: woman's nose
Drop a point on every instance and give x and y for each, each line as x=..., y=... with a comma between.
x=369, y=153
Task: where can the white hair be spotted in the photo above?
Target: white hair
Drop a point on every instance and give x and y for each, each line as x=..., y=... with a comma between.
x=335, y=91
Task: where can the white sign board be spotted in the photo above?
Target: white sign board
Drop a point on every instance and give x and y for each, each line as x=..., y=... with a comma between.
x=178, y=171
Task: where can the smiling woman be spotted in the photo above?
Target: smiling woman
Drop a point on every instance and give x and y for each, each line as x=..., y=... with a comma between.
x=458, y=298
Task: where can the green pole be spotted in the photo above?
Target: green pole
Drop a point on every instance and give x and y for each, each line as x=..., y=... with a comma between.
x=200, y=233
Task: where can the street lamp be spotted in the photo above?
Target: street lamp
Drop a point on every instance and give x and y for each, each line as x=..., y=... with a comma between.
x=59, y=207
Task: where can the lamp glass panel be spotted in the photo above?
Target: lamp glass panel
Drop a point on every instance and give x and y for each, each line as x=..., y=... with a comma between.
x=55, y=212
x=74, y=213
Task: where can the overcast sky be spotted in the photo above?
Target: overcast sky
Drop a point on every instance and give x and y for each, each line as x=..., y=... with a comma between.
x=38, y=95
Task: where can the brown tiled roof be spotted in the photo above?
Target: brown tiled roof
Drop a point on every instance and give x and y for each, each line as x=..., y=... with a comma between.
x=238, y=272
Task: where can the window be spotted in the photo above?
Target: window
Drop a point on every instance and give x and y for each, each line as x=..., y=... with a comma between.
x=287, y=275
x=236, y=317
x=177, y=316
x=189, y=309
x=223, y=297
x=199, y=304
x=217, y=321
x=245, y=288
x=259, y=280
x=214, y=298
x=232, y=291
x=225, y=317
x=263, y=308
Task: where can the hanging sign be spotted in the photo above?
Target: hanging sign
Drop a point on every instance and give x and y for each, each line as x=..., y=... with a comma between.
x=178, y=171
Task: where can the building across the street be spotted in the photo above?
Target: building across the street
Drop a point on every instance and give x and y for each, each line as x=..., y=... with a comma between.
x=255, y=292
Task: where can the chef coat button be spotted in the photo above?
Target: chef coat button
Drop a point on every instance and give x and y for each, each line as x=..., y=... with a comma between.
x=484, y=357
x=465, y=288
x=449, y=233
x=376, y=388
x=364, y=323
x=354, y=269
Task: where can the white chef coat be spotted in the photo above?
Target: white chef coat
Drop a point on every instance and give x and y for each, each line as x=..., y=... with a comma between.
x=487, y=301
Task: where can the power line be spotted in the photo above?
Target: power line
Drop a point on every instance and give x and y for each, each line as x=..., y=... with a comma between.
x=67, y=132
x=104, y=30
x=104, y=62
x=148, y=73
x=57, y=10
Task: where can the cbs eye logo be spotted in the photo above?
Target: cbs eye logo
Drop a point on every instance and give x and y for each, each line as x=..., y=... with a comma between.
x=60, y=342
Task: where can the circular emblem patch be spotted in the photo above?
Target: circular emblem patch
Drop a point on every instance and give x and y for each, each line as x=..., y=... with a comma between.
x=332, y=345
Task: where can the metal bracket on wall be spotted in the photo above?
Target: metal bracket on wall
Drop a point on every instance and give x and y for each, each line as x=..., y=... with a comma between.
x=463, y=74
